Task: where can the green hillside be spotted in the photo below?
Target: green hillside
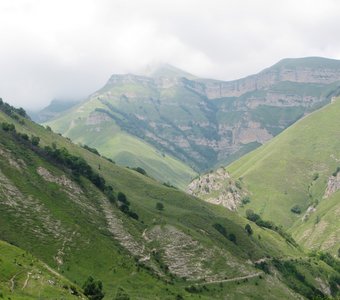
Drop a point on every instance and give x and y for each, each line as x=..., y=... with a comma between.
x=100, y=132
x=286, y=179
x=23, y=276
x=153, y=243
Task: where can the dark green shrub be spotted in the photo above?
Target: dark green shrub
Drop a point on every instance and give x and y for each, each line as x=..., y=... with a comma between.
x=296, y=209
x=159, y=206
x=221, y=229
x=93, y=289
x=248, y=229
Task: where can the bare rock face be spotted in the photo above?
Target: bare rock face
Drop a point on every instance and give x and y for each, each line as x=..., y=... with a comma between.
x=333, y=185
x=220, y=187
x=96, y=118
x=267, y=78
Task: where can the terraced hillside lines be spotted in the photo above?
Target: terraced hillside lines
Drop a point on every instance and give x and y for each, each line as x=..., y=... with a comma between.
x=25, y=277
x=201, y=122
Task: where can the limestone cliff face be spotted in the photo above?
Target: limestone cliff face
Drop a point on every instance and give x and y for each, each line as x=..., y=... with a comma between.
x=268, y=77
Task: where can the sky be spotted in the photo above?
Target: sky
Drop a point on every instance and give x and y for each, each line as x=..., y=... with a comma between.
x=67, y=49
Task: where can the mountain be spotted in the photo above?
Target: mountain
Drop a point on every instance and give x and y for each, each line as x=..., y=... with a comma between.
x=293, y=180
x=53, y=110
x=83, y=216
x=202, y=122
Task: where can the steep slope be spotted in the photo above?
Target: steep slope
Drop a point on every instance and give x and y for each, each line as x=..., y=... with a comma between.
x=89, y=124
x=81, y=225
x=202, y=122
x=293, y=180
x=25, y=277
x=53, y=110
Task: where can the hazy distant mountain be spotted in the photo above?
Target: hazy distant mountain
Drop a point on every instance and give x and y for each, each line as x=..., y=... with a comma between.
x=202, y=122
x=53, y=110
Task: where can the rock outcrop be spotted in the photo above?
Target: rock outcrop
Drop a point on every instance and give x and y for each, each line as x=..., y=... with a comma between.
x=333, y=185
x=218, y=188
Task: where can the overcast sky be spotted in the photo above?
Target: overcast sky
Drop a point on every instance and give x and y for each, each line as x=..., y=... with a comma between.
x=69, y=48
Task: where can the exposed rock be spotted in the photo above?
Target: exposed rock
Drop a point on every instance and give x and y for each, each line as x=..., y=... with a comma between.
x=311, y=209
x=228, y=193
x=186, y=257
x=96, y=118
x=324, y=286
x=61, y=180
x=333, y=185
x=19, y=164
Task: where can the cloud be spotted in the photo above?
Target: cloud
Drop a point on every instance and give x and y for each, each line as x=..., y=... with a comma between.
x=68, y=49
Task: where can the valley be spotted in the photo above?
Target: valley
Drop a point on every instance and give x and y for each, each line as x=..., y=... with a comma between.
x=91, y=217
x=173, y=122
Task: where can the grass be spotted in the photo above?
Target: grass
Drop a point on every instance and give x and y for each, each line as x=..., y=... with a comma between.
x=25, y=277
x=53, y=219
x=125, y=149
x=279, y=175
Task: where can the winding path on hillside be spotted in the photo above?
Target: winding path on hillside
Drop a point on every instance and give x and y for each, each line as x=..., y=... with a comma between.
x=232, y=279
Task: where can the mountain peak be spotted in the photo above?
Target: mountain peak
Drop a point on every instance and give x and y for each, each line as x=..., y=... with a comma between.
x=313, y=62
x=166, y=70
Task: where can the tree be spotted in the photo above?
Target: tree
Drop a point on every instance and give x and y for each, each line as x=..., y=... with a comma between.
x=93, y=289
x=35, y=140
x=232, y=238
x=248, y=229
x=251, y=215
x=221, y=229
x=159, y=206
x=296, y=209
x=122, y=198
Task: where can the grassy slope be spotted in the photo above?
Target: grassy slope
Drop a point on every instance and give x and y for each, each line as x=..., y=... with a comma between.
x=123, y=148
x=280, y=174
x=23, y=276
x=102, y=257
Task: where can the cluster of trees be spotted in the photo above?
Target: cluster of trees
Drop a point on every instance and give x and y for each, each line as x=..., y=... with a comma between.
x=9, y=127
x=12, y=111
x=296, y=280
x=76, y=164
x=222, y=230
x=251, y=216
x=335, y=173
x=124, y=206
x=80, y=167
x=93, y=289
x=93, y=150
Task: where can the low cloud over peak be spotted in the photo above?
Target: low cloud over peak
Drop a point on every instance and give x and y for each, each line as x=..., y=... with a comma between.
x=68, y=49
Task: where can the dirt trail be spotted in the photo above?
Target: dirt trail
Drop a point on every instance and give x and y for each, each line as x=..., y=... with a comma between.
x=26, y=281
x=233, y=279
x=12, y=281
